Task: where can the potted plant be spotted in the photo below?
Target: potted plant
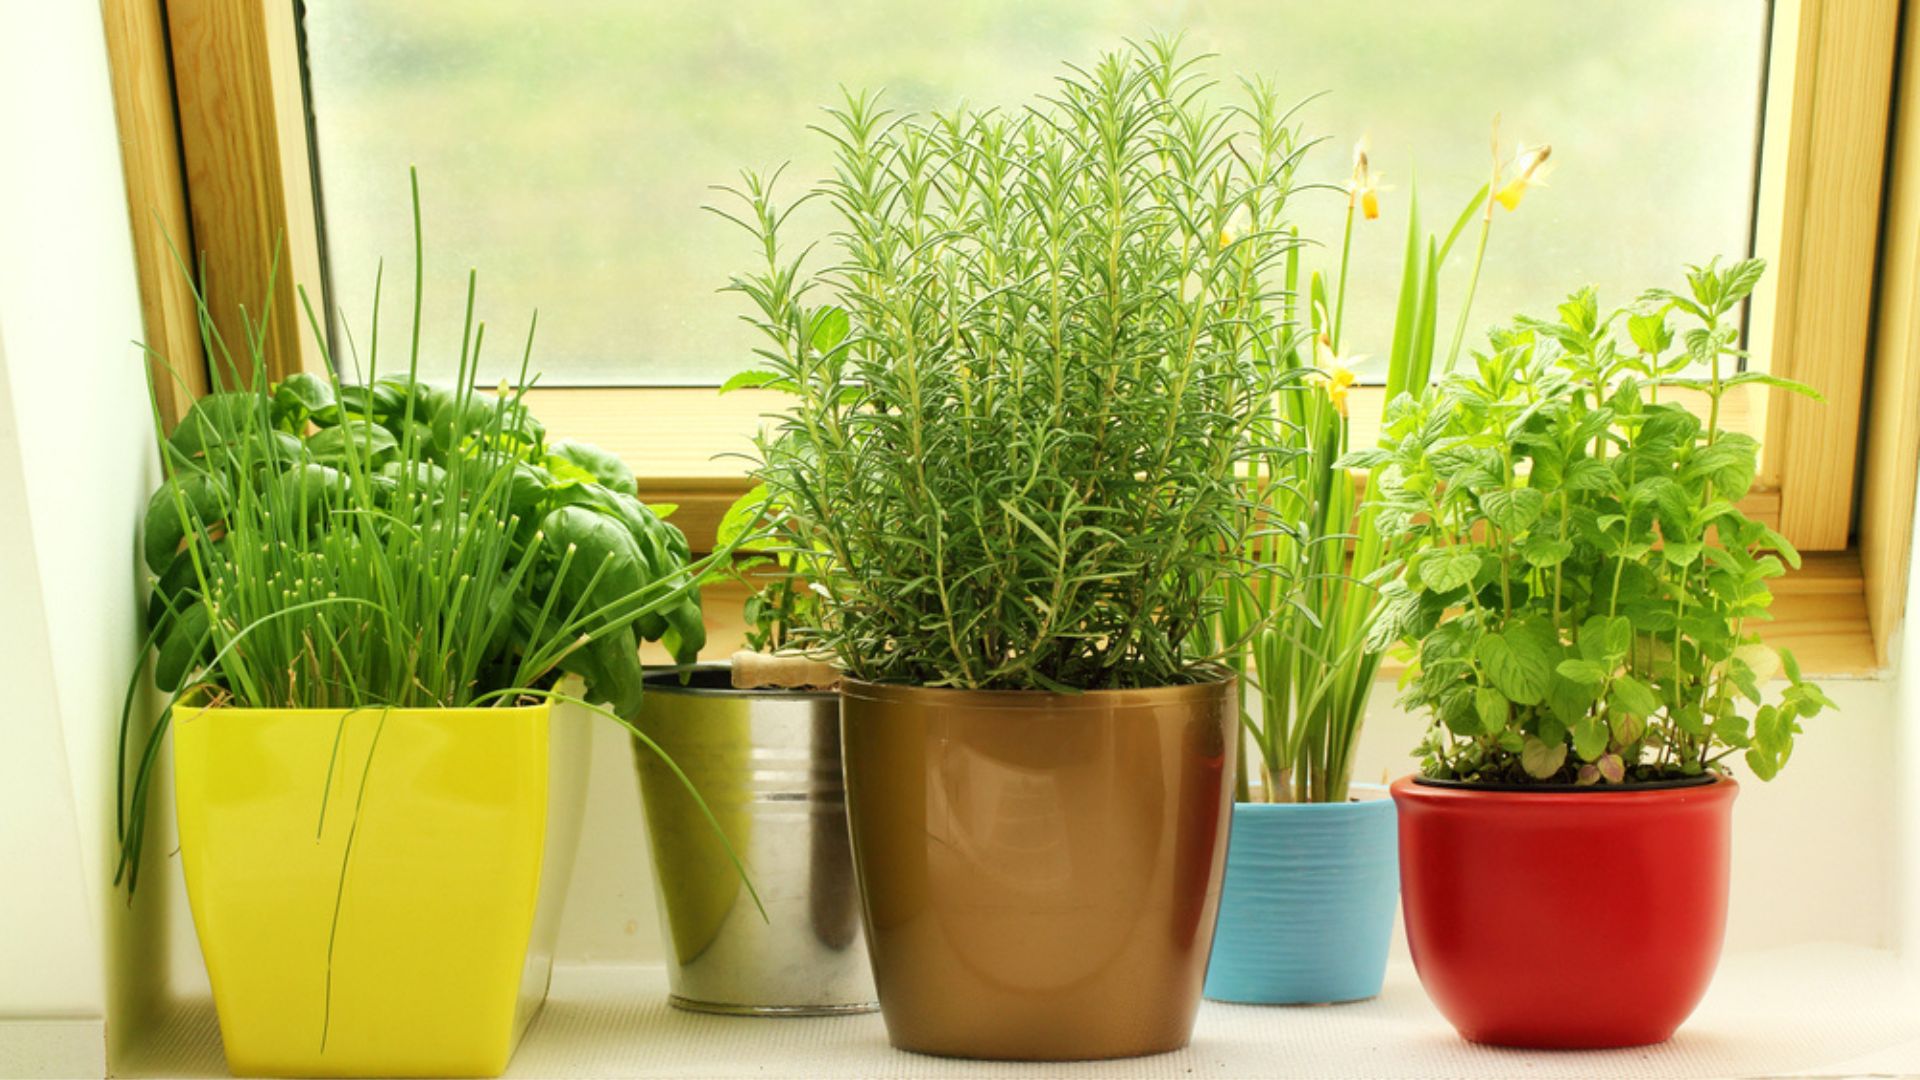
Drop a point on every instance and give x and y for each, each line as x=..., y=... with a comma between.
x=1582, y=595
x=1024, y=392
x=759, y=737
x=366, y=598
x=1312, y=874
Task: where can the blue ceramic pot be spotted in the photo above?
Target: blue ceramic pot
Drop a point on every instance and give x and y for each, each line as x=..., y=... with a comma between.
x=1306, y=914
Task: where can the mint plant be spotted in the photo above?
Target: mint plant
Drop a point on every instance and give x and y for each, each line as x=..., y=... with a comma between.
x=1581, y=585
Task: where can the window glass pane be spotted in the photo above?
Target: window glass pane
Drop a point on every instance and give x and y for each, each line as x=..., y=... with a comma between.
x=565, y=151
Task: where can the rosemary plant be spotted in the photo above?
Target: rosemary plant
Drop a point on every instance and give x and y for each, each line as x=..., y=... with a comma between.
x=1026, y=386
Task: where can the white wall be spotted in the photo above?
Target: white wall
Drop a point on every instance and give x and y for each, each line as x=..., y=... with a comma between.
x=1816, y=855
x=73, y=474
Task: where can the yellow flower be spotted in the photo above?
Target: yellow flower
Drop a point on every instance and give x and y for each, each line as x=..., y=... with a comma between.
x=1365, y=186
x=1335, y=371
x=1339, y=381
x=1529, y=168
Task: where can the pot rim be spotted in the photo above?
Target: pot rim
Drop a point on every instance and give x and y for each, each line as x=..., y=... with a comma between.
x=1377, y=805
x=665, y=679
x=187, y=712
x=1409, y=789
x=1668, y=784
x=1215, y=680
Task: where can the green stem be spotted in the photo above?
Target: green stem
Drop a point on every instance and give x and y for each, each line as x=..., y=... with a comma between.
x=1473, y=285
x=1340, y=289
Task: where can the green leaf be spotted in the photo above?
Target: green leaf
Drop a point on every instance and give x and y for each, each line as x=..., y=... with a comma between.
x=1729, y=461
x=1363, y=459
x=217, y=419
x=1627, y=728
x=1542, y=760
x=1650, y=332
x=1491, y=704
x=1518, y=666
x=1631, y=695
x=828, y=328
x=607, y=470
x=1745, y=377
x=1513, y=510
x=1542, y=550
x=1588, y=474
x=201, y=496
x=1586, y=672
x=1606, y=639
x=299, y=396
x=1681, y=554
x=371, y=444
x=1590, y=738
x=1739, y=279
x=754, y=379
x=187, y=646
x=1550, y=729
x=1569, y=700
x=1449, y=568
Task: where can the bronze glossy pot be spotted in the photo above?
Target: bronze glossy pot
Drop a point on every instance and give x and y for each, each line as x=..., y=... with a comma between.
x=1039, y=873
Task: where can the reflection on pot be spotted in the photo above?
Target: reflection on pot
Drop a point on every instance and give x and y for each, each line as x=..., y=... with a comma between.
x=767, y=764
x=1039, y=872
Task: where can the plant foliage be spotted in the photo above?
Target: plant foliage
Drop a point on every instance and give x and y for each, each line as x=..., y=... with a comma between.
x=1025, y=384
x=392, y=544
x=1313, y=662
x=1583, y=586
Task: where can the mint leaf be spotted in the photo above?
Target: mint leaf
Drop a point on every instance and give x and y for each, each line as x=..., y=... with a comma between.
x=1542, y=760
x=1449, y=568
x=1518, y=666
x=1513, y=510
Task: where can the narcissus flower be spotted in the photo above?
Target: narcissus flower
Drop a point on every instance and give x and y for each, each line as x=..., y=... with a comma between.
x=1339, y=381
x=1364, y=187
x=1529, y=168
x=1335, y=371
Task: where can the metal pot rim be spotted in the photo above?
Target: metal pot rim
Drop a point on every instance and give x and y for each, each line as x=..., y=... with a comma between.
x=1215, y=681
x=666, y=680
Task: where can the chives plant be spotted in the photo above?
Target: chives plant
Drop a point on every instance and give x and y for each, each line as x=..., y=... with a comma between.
x=1029, y=378
x=393, y=544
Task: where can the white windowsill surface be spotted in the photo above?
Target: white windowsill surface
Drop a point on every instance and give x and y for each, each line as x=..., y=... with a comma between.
x=1801, y=1011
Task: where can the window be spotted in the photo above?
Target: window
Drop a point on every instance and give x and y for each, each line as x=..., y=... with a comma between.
x=609, y=98
x=566, y=155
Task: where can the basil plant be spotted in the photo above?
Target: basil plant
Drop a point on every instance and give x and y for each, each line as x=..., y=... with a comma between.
x=535, y=558
x=1582, y=587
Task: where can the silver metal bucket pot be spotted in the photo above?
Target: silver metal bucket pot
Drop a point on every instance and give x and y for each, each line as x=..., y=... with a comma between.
x=767, y=762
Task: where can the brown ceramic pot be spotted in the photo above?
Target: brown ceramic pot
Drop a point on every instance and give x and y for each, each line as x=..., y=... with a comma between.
x=1039, y=873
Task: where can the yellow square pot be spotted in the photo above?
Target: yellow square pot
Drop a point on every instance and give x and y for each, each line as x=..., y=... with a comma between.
x=377, y=891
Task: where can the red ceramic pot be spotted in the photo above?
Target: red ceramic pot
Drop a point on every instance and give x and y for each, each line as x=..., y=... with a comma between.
x=1565, y=919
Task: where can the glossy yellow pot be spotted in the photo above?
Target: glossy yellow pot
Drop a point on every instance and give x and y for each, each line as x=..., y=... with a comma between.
x=377, y=891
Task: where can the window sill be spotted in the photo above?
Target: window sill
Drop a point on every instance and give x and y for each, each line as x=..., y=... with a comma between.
x=1825, y=1010
x=686, y=446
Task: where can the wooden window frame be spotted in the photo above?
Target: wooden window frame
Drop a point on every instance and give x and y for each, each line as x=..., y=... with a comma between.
x=213, y=118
